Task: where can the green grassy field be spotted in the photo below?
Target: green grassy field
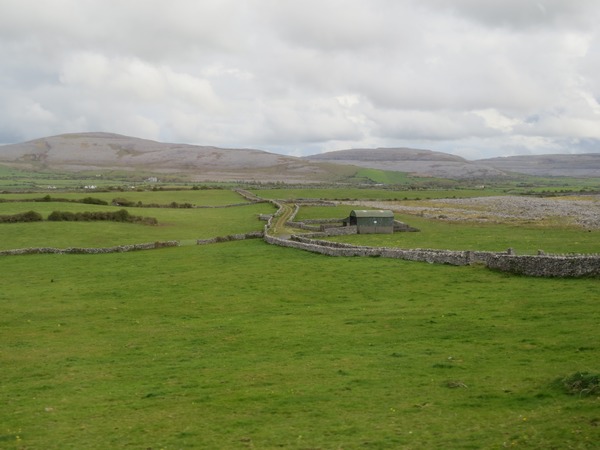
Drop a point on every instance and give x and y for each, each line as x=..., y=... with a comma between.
x=16, y=179
x=221, y=347
x=173, y=224
x=245, y=345
x=383, y=176
x=208, y=197
x=524, y=238
x=351, y=193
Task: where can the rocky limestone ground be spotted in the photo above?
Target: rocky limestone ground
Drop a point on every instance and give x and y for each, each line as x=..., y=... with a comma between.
x=581, y=211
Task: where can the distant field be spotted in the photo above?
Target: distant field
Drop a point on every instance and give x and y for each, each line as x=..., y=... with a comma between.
x=200, y=197
x=173, y=224
x=189, y=224
x=383, y=176
x=374, y=194
x=17, y=179
x=524, y=238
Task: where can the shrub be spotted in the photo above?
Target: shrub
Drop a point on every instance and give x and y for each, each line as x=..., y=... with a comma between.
x=94, y=201
x=122, y=202
x=116, y=216
x=57, y=216
x=29, y=216
x=121, y=215
x=580, y=383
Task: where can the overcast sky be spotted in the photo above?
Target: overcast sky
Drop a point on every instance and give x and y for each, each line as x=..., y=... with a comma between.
x=476, y=78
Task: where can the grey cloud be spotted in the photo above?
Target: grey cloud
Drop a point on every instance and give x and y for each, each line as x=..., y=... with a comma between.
x=520, y=14
x=463, y=76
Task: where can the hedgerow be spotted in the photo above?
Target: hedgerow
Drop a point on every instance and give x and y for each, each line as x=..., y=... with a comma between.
x=29, y=216
x=115, y=216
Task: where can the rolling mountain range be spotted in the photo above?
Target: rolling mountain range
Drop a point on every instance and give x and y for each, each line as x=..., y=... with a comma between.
x=106, y=151
x=420, y=162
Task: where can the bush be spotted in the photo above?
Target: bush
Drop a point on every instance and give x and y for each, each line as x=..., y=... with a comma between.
x=580, y=383
x=122, y=202
x=116, y=216
x=29, y=216
x=94, y=201
x=58, y=216
x=121, y=215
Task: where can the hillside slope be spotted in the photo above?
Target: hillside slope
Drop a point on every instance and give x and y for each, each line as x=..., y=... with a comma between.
x=106, y=151
x=579, y=165
x=419, y=162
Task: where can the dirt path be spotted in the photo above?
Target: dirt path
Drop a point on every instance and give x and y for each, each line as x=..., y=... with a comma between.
x=279, y=228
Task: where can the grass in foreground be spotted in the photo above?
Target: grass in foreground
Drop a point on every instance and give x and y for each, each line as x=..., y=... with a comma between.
x=245, y=345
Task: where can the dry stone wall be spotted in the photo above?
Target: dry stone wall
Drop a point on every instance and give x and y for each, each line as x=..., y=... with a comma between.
x=548, y=265
x=455, y=258
x=231, y=237
x=540, y=265
x=78, y=250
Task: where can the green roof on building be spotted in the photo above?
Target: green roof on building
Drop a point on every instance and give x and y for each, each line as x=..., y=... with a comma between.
x=372, y=213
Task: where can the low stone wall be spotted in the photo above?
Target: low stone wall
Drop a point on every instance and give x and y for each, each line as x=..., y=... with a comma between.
x=340, y=231
x=530, y=265
x=77, y=250
x=540, y=265
x=314, y=202
x=292, y=218
x=231, y=205
x=302, y=226
x=249, y=195
x=455, y=258
x=231, y=237
x=547, y=265
x=403, y=228
x=323, y=221
x=333, y=231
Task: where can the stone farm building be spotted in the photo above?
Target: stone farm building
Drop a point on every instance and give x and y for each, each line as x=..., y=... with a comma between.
x=368, y=221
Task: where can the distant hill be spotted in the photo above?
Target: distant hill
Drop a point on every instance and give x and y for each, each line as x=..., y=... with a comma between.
x=106, y=151
x=579, y=165
x=418, y=162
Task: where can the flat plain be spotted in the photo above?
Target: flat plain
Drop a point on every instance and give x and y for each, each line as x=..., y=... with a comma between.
x=247, y=345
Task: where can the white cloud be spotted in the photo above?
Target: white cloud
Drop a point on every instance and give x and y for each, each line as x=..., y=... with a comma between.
x=136, y=80
x=467, y=76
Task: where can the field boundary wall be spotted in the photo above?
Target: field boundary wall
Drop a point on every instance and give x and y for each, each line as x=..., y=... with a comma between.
x=79, y=250
x=231, y=237
x=541, y=265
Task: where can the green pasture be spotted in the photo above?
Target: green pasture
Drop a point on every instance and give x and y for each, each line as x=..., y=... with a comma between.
x=182, y=224
x=383, y=176
x=200, y=197
x=524, y=238
x=18, y=179
x=351, y=193
x=246, y=345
